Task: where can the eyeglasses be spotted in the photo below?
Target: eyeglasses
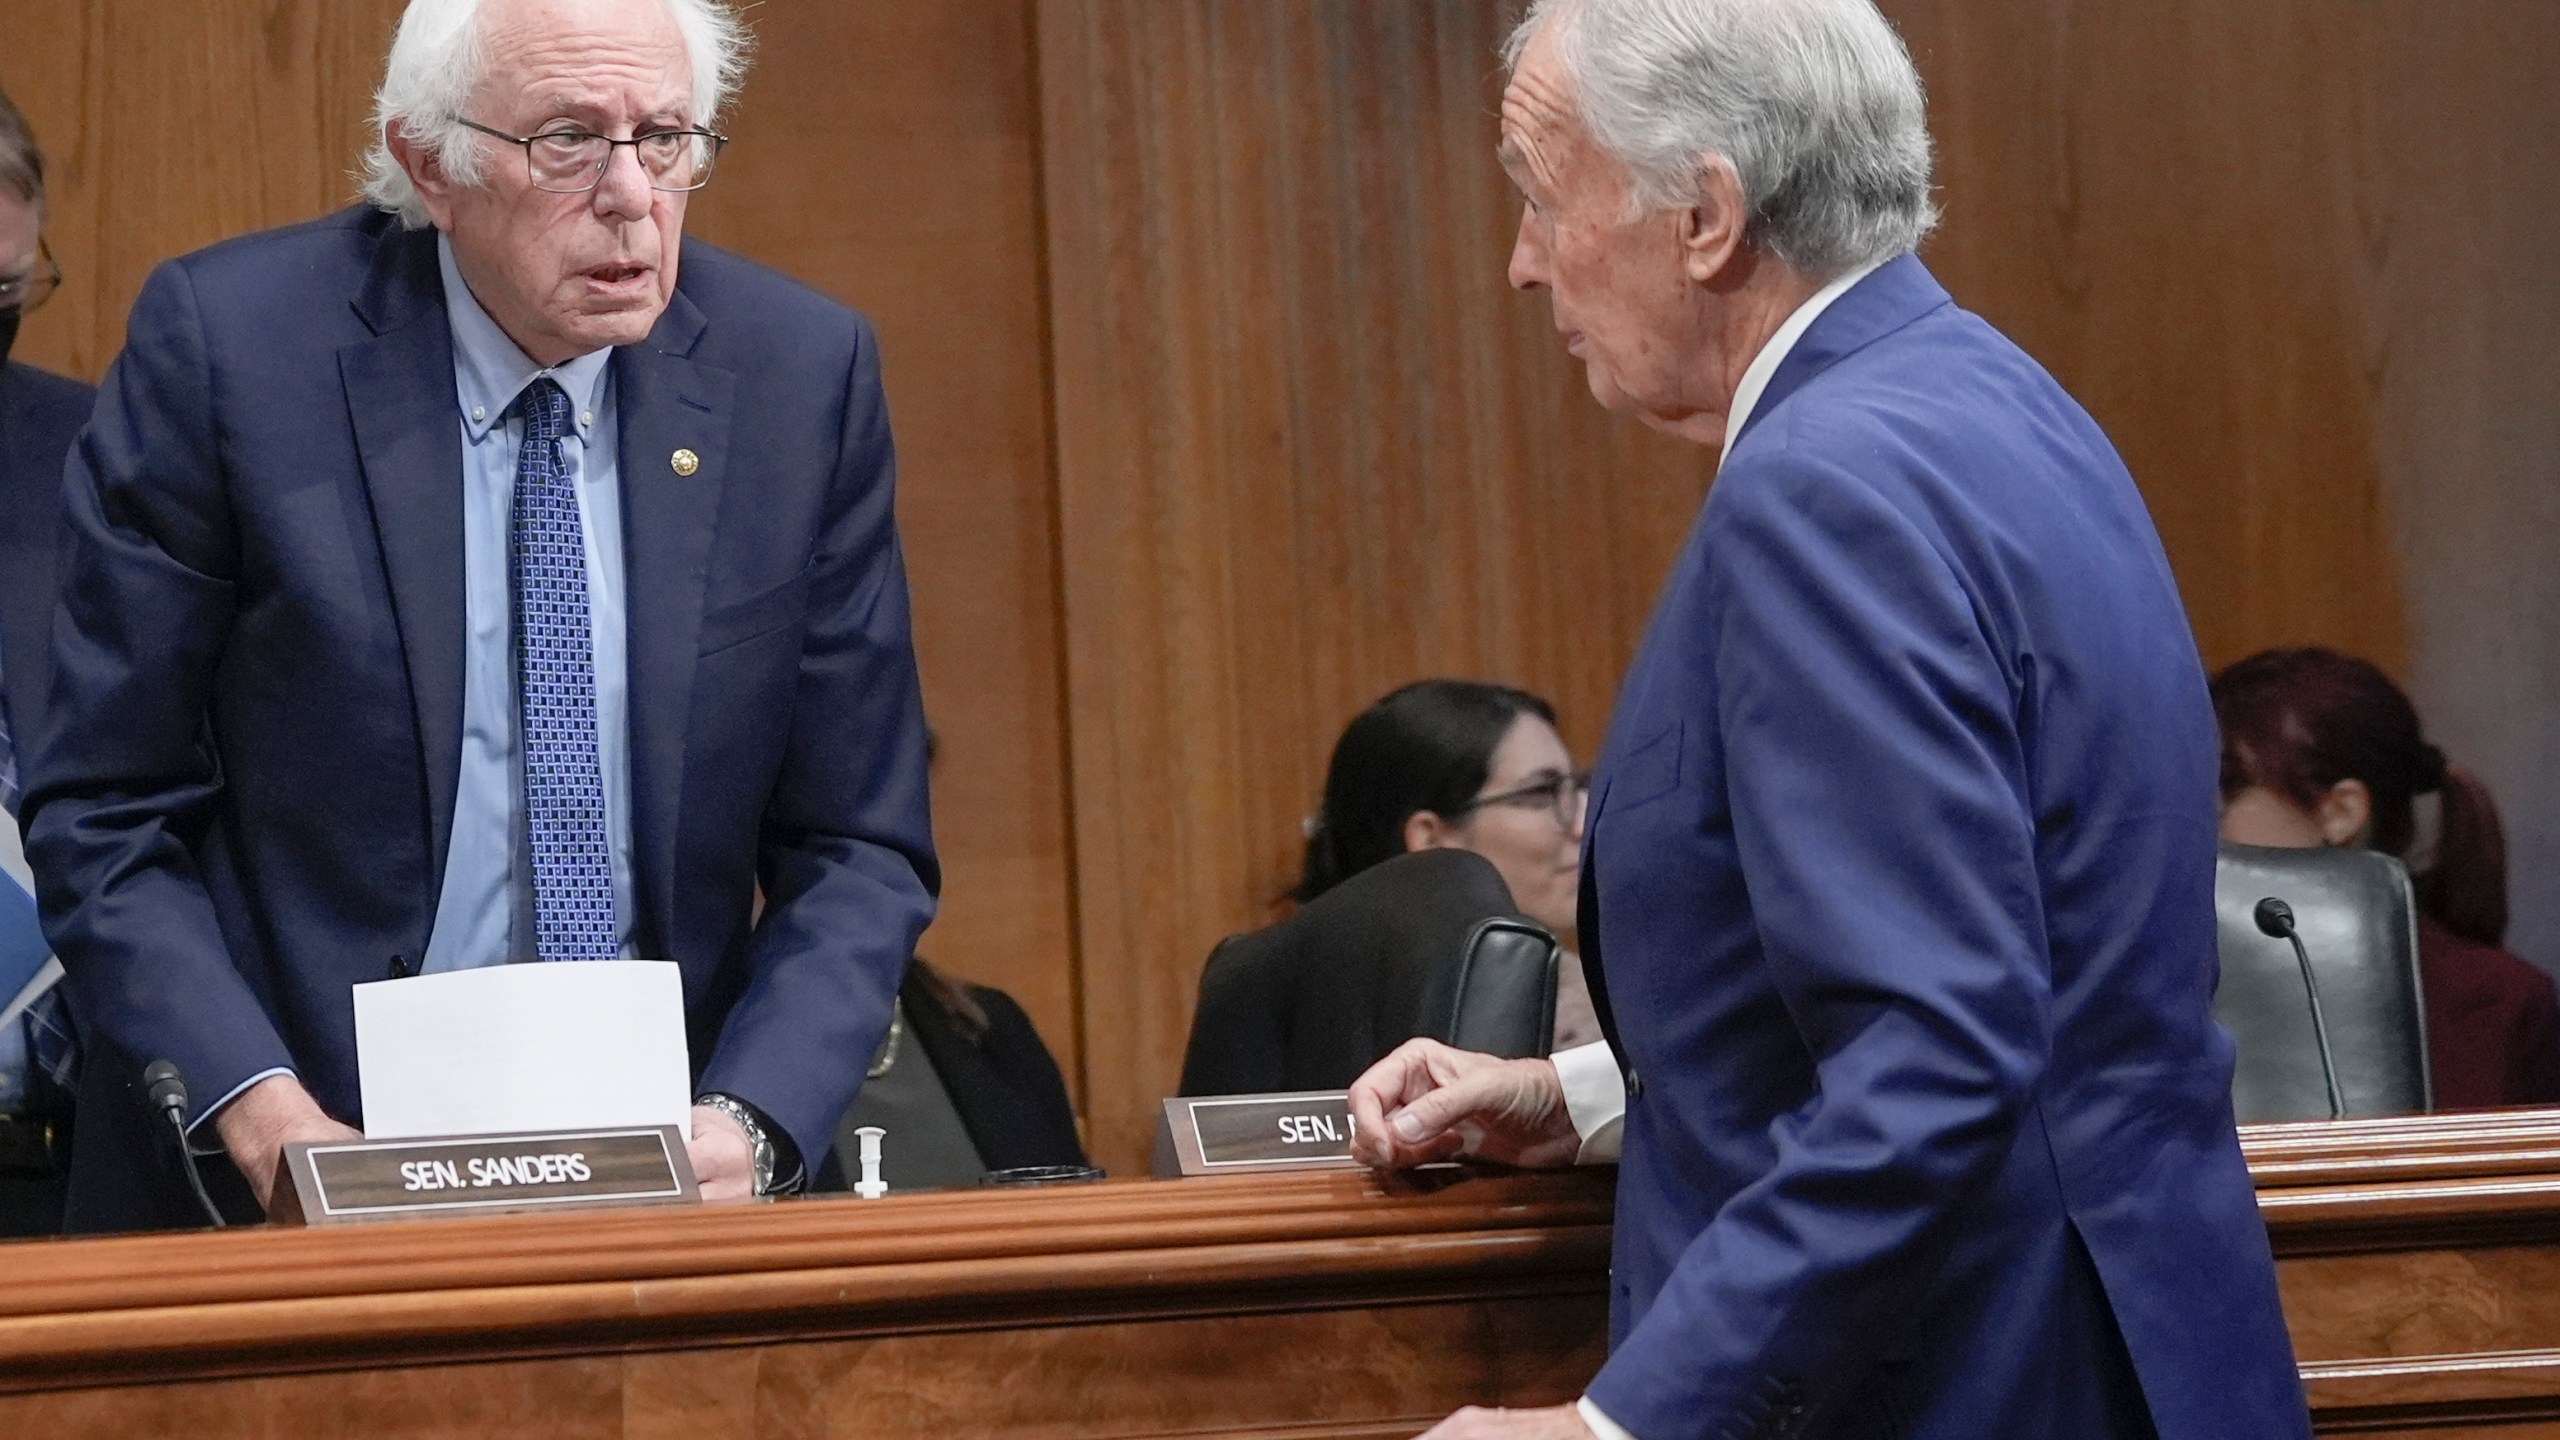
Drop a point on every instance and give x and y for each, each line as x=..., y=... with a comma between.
x=567, y=161
x=23, y=293
x=1562, y=796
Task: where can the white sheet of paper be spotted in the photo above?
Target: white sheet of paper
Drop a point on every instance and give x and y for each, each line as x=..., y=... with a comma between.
x=508, y=1048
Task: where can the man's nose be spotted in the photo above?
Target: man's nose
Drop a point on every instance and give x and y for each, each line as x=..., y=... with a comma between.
x=623, y=190
x=1528, y=257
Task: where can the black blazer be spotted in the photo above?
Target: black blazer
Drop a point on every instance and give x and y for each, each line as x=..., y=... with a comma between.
x=1424, y=944
x=40, y=415
x=1002, y=1081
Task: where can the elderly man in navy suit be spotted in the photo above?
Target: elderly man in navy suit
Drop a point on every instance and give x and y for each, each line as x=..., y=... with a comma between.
x=1899, y=869
x=485, y=574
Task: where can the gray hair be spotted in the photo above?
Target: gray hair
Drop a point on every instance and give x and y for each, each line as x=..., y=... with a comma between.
x=1815, y=103
x=437, y=60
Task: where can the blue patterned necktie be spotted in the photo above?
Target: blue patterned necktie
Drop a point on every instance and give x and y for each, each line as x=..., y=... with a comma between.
x=556, y=694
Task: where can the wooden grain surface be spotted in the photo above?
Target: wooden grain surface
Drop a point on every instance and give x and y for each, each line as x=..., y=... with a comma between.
x=1270, y=1306
x=1354, y=1375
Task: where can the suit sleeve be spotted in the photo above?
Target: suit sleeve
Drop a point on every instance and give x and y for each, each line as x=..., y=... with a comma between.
x=124, y=781
x=1876, y=784
x=846, y=855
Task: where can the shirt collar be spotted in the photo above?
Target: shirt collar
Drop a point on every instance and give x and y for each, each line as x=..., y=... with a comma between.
x=489, y=371
x=1764, y=366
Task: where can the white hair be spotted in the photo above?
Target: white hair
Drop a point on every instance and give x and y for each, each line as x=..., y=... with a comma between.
x=438, y=60
x=1815, y=103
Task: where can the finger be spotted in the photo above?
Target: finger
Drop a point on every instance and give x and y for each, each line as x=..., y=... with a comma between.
x=1384, y=1152
x=1370, y=1096
x=1478, y=1093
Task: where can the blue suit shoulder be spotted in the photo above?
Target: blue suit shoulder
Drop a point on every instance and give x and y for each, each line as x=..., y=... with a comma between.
x=1951, y=425
x=756, y=311
x=330, y=255
x=48, y=400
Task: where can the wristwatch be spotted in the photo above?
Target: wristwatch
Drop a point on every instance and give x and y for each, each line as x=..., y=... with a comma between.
x=759, y=1143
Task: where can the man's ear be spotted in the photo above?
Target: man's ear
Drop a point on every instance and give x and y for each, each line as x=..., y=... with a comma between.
x=2345, y=815
x=426, y=173
x=1711, y=229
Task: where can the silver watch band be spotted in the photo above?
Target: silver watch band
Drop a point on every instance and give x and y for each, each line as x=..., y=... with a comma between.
x=759, y=1144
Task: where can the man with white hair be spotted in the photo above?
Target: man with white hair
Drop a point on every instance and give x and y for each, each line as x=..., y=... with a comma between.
x=1898, y=884
x=485, y=574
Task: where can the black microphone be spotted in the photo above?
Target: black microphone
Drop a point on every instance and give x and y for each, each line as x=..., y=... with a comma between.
x=167, y=1090
x=2275, y=921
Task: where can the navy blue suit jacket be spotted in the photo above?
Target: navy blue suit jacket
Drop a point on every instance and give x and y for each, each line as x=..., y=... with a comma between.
x=40, y=415
x=244, y=778
x=1900, y=878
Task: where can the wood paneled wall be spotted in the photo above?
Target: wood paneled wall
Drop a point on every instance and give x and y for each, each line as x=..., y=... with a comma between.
x=1217, y=419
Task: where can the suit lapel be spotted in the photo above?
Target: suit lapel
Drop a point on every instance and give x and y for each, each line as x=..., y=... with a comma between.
x=1899, y=292
x=668, y=402
x=400, y=398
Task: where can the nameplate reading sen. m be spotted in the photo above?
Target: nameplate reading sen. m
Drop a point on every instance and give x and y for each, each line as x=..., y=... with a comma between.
x=1239, y=1134
x=342, y=1181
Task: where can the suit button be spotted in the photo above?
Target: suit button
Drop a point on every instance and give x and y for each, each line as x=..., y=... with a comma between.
x=1635, y=1086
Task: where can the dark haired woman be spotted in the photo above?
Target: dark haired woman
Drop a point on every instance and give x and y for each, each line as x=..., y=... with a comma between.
x=1469, y=766
x=2320, y=748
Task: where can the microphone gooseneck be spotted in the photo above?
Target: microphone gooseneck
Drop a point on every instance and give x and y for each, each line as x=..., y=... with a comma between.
x=167, y=1091
x=2275, y=920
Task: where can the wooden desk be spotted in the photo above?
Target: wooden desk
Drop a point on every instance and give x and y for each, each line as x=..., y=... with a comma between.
x=1296, y=1306
x=2420, y=1263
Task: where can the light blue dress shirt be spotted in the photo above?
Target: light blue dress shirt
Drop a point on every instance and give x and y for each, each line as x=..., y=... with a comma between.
x=483, y=916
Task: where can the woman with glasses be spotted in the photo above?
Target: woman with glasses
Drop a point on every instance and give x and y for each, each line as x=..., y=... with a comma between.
x=1469, y=766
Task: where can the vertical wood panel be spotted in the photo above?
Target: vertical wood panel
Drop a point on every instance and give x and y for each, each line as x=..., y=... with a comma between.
x=1310, y=446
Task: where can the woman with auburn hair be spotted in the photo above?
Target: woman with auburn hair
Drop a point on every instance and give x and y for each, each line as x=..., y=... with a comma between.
x=2320, y=748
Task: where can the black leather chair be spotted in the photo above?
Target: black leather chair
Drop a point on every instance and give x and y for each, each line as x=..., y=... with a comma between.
x=2358, y=922
x=1424, y=944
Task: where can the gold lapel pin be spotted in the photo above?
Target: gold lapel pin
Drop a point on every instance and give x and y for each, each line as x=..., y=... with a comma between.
x=685, y=461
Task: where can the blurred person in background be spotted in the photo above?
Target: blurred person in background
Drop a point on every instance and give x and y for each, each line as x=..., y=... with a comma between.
x=40, y=414
x=1459, y=764
x=962, y=1085
x=2321, y=749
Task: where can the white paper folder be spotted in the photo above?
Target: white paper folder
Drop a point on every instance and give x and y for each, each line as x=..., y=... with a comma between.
x=504, y=1048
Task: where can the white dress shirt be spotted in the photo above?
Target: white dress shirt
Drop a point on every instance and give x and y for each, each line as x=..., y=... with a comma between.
x=1595, y=1090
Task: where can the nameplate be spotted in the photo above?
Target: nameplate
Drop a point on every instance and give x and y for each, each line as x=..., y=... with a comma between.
x=343, y=1181
x=1235, y=1134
